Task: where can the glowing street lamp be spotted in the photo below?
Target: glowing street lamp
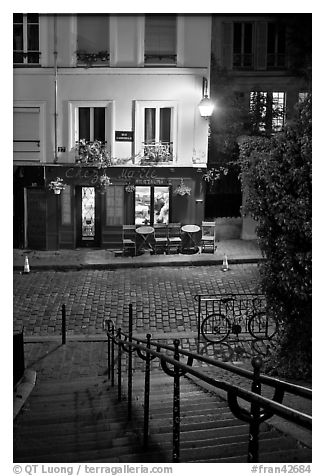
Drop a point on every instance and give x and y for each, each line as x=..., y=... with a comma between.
x=206, y=106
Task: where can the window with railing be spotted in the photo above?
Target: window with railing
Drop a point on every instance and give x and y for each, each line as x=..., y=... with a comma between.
x=160, y=40
x=155, y=132
x=158, y=145
x=26, y=39
x=276, y=42
x=93, y=40
x=243, y=45
x=267, y=111
x=91, y=144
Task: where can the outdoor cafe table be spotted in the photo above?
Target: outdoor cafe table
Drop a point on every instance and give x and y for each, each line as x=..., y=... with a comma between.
x=144, y=232
x=190, y=230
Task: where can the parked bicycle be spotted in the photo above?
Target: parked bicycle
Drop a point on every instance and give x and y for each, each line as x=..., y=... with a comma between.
x=237, y=316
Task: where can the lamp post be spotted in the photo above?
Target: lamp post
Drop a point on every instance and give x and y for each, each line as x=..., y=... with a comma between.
x=206, y=106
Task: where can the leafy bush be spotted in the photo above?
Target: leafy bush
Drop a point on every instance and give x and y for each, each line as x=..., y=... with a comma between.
x=276, y=173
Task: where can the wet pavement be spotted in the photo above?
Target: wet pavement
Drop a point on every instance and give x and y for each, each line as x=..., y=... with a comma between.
x=162, y=297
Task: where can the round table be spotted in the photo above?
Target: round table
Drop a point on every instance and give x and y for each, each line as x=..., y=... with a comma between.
x=144, y=232
x=190, y=230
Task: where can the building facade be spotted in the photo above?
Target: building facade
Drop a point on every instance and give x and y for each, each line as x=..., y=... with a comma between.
x=260, y=69
x=104, y=99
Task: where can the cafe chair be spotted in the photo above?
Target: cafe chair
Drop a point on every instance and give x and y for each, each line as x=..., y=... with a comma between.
x=174, y=237
x=128, y=239
x=208, y=236
x=160, y=237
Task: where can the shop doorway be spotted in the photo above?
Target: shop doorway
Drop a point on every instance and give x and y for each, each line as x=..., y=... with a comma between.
x=88, y=217
x=151, y=205
x=35, y=219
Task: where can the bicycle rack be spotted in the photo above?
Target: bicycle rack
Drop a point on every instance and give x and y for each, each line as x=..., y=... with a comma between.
x=222, y=316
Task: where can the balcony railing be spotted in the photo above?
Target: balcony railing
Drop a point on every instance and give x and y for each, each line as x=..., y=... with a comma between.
x=243, y=61
x=276, y=61
x=33, y=57
x=84, y=58
x=97, y=153
x=93, y=153
x=160, y=59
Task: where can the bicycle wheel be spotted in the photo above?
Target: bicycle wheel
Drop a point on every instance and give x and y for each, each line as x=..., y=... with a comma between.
x=261, y=326
x=215, y=327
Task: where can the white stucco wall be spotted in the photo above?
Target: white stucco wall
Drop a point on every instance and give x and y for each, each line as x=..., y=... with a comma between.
x=122, y=85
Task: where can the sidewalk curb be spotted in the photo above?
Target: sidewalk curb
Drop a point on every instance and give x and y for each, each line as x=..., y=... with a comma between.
x=143, y=264
x=22, y=391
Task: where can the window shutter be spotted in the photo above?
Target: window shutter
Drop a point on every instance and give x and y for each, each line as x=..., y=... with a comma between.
x=160, y=34
x=261, y=45
x=227, y=29
x=26, y=129
x=114, y=205
x=93, y=34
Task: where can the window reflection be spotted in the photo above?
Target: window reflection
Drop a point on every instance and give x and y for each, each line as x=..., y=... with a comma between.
x=151, y=205
x=142, y=205
x=161, y=204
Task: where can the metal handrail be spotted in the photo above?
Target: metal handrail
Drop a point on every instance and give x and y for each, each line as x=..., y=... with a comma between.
x=262, y=408
x=293, y=389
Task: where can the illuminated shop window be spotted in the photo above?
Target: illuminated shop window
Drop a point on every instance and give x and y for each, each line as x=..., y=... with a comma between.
x=151, y=205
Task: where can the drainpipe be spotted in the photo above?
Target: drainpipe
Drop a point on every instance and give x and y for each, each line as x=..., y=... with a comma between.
x=55, y=53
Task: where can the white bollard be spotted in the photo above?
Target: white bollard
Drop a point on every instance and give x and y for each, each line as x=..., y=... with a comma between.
x=26, y=266
x=225, y=266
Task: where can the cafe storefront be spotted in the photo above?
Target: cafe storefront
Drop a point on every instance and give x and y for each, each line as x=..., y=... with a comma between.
x=87, y=213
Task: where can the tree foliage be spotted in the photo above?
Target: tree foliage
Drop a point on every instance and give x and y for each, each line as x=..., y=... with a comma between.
x=276, y=173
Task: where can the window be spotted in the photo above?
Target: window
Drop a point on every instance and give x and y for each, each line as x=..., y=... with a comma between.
x=243, y=46
x=278, y=104
x=267, y=111
x=26, y=38
x=275, y=46
x=156, y=130
x=157, y=134
x=160, y=40
x=93, y=39
x=151, y=205
x=28, y=130
x=91, y=122
x=302, y=96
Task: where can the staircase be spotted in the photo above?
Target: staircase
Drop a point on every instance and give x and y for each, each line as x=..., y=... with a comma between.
x=81, y=421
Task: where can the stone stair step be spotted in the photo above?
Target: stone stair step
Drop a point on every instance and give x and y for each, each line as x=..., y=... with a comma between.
x=234, y=449
x=82, y=421
x=76, y=385
x=52, y=455
x=301, y=455
x=44, y=415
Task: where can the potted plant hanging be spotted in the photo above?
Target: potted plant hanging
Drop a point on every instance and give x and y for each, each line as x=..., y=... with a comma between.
x=182, y=189
x=104, y=183
x=57, y=185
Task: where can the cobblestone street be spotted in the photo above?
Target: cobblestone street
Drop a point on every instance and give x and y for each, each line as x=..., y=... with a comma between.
x=163, y=297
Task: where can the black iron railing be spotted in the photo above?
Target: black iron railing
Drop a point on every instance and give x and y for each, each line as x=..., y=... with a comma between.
x=262, y=408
